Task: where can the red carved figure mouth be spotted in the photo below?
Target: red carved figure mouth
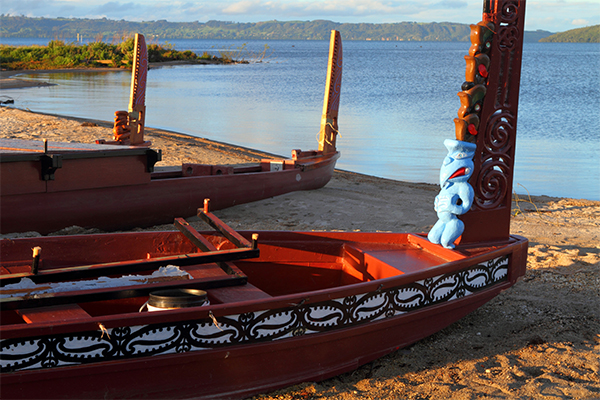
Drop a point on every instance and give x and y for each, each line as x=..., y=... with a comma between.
x=459, y=172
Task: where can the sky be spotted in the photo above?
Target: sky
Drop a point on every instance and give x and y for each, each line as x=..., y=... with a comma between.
x=548, y=15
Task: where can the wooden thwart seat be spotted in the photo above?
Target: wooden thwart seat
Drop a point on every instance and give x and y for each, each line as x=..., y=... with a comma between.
x=245, y=292
x=60, y=313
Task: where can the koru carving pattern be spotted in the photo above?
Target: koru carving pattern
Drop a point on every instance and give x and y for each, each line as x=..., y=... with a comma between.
x=493, y=183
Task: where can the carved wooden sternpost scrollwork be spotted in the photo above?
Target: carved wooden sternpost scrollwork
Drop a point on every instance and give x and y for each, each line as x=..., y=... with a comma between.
x=495, y=131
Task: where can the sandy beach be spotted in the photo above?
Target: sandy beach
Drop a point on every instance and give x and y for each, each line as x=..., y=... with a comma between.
x=537, y=340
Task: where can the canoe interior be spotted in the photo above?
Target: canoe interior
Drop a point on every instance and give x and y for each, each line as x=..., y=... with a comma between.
x=300, y=159
x=289, y=263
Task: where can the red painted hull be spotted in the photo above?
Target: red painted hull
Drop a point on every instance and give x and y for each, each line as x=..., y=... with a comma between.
x=331, y=302
x=117, y=193
x=240, y=372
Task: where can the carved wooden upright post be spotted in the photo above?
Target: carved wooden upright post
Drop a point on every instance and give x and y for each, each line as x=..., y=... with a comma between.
x=495, y=134
x=331, y=103
x=137, y=98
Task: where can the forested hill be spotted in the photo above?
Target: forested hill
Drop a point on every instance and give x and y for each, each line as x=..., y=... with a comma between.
x=68, y=28
x=590, y=34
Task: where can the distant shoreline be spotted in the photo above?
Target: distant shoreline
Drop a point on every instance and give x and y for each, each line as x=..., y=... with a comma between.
x=8, y=80
x=263, y=30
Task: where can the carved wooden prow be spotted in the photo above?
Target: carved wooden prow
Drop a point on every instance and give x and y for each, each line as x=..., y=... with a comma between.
x=331, y=103
x=488, y=117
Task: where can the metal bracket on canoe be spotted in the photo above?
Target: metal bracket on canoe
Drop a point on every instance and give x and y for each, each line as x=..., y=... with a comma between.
x=49, y=164
x=153, y=157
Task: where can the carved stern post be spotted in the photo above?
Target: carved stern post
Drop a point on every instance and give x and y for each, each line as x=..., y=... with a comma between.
x=129, y=125
x=331, y=103
x=137, y=98
x=495, y=57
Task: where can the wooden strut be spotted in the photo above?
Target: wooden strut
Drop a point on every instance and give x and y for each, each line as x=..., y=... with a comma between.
x=36, y=260
x=331, y=102
x=494, y=127
x=231, y=235
x=200, y=241
x=130, y=266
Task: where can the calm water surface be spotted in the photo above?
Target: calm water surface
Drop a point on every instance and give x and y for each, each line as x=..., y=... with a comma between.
x=397, y=105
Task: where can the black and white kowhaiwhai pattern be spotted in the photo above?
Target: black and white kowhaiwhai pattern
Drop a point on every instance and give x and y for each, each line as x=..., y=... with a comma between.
x=261, y=326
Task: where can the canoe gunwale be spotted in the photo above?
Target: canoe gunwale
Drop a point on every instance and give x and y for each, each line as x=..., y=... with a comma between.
x=512, y=250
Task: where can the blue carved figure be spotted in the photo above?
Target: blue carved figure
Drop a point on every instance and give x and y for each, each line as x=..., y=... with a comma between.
x=456, y=195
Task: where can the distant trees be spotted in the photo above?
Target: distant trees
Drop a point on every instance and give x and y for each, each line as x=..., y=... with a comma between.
x=590, y=34
x=69, y=28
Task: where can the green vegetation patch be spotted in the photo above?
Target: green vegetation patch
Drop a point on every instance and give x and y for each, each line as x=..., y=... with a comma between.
x=58, y=54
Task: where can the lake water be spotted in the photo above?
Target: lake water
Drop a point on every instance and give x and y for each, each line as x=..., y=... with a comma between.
x=397, y=105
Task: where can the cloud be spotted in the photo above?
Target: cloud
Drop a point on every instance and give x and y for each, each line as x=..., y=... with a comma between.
x=316, y=8
x=580, y=22
x=18, y=7
x=450, y=4
x=241, y=7
x=370, y=11
x=553, y=15
x=114, y=7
